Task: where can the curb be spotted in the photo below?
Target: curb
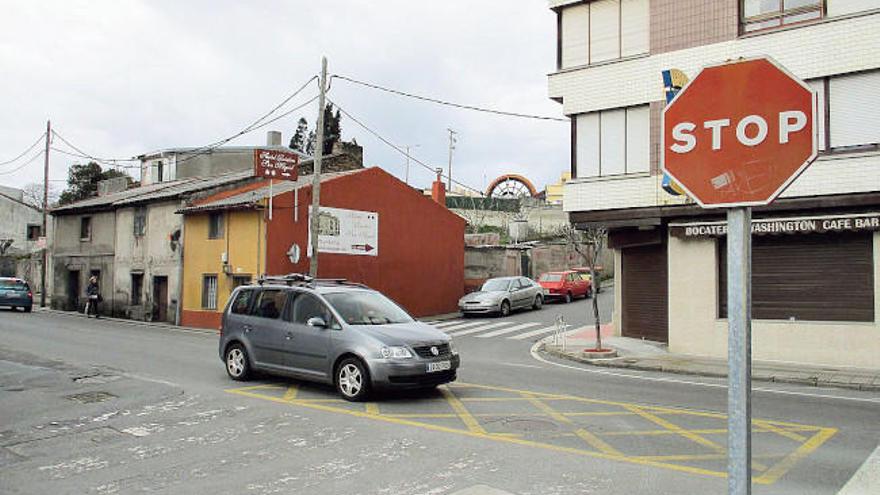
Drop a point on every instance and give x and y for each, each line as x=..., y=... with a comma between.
x=621, y=363
x=125, y=321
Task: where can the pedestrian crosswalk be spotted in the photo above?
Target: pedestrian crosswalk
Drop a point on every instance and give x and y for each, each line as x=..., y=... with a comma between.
x=491, y=328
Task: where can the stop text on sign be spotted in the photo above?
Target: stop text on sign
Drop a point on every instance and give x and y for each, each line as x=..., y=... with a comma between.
x=751, y=130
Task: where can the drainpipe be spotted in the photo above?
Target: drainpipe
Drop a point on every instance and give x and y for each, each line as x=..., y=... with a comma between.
x=178, y=310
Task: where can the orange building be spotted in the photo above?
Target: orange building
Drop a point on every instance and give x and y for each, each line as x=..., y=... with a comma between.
x=376, y=230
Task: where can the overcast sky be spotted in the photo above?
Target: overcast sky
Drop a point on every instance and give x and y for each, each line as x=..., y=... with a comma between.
x=122, y=77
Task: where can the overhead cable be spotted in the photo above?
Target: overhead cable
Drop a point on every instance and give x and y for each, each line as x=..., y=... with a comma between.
x=450, y=103
x=399, y=149
x=23, y=165
x=28, y=150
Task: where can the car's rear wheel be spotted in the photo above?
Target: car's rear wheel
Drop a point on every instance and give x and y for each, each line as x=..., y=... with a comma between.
x=539, y=301
x=13, y=308
x=505, y=308
x=28, y=309
x=353, y=380
x=238, y=366
x=567, y=297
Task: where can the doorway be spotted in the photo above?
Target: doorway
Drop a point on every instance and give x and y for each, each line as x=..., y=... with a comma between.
x=160, y=298
x=73, y=290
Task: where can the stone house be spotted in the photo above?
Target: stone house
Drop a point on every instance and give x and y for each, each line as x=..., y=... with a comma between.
x=21, y=226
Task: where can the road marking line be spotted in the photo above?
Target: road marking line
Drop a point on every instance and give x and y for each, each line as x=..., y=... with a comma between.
x=472, y=424
x=291, y=392
x=807, y=448
x=779, y=431
x=764, y=479
x=533, y=333
x=372, y=408
x=456, y=332
x=865, y=479
x=448, y=323
x=461, y=326
x=479, y=329
x=690, y=435
x=591, y=439
x=503, y=331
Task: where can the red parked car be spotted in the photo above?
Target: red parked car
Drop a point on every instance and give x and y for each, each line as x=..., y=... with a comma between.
x=564, y=285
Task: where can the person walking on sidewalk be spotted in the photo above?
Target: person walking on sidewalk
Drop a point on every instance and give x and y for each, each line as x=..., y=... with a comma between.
x=93, y=297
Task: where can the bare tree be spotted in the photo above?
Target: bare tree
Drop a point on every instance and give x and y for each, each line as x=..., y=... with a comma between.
x=32, y=194
x=588, y=242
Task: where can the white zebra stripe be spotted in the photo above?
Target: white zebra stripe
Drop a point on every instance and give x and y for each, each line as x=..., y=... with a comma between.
x=446, y=323
x=488, y=326
x=462, y=326
x=533, y=333
x=504, y=331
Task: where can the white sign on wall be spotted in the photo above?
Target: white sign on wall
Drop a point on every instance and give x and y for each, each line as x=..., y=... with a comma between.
x=347, y=232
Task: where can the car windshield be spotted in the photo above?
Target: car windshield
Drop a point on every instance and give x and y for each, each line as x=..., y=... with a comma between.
x=367, y=308
x=496, y=284
x=13, y=285
x=551, y=277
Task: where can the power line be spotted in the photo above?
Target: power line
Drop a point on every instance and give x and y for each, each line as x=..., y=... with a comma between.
x=28, y=150
x=97, y=160
x=23, y=165
x=399, y=149
x=450, y=103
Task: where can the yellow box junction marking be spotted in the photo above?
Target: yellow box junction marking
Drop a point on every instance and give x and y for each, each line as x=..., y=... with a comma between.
x=568, y=411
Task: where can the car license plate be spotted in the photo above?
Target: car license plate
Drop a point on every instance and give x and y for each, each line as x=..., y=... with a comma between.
x=439, y=366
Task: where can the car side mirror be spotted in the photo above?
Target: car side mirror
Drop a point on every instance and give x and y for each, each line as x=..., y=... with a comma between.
x=317, y=322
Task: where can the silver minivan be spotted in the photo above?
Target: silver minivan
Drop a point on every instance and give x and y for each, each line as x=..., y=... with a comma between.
x=333, y=332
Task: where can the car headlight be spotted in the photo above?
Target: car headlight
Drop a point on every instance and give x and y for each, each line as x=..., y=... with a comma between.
x=452, y=348
x=396, y=352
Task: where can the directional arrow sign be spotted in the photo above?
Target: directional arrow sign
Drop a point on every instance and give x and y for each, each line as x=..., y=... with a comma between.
x=349, y=232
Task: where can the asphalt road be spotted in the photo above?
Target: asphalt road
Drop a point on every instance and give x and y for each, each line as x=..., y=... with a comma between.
x=97, y=406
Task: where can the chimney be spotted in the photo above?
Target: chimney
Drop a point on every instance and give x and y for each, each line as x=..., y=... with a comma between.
x=438, y=189
x=273, y=138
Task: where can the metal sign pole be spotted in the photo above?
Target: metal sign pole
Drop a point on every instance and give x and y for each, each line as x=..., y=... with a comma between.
x=739, y=351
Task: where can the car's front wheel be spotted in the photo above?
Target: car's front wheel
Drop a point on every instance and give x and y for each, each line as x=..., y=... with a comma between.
x=505, y=308
x=238, y=367
x=539, y=301
x=353, y=380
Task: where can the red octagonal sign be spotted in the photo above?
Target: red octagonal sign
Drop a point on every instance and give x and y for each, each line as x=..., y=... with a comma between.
x=739, y=133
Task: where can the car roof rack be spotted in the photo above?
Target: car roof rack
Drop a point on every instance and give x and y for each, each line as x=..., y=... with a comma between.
x=289, y=279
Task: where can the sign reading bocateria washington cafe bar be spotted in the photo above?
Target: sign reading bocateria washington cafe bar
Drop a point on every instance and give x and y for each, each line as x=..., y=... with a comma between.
x=793, y=225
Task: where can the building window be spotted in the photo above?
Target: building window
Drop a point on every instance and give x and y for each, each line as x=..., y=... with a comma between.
x=34, y=232
x=842, y=7
x=765, y=14
x=215, y=225
x=160, y=171
x=137, y=288
x=853, y=119
x=85, y=228
x=600, y=31
x=140, y=222
x=209, y=292
x=814, y=277
x=239, y=280
x=612, y=142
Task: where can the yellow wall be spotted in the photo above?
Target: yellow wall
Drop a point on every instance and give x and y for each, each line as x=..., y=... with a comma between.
x=244, y=239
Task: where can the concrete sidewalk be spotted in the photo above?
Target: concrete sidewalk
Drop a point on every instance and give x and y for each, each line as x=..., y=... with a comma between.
x=650, y=356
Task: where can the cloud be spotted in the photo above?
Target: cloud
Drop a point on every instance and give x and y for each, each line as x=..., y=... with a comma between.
x=123, y=77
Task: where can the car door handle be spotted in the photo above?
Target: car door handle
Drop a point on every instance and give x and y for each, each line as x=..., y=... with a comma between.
x=288, y=336
x=247, y=328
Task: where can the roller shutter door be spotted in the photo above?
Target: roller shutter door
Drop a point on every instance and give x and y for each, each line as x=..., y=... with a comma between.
x=645, y=302
x=814, y=277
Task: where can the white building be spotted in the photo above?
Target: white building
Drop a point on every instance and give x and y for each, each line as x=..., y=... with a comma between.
x=816, y=287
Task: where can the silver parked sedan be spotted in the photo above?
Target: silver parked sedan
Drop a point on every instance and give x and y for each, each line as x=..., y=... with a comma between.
x=502, y=295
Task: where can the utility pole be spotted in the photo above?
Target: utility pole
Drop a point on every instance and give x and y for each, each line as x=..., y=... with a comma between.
x=316, y=173
x=407, y=161
x=452, y=141
x=45, y=231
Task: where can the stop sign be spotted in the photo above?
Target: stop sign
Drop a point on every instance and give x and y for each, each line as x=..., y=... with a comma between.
x=739, y=133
